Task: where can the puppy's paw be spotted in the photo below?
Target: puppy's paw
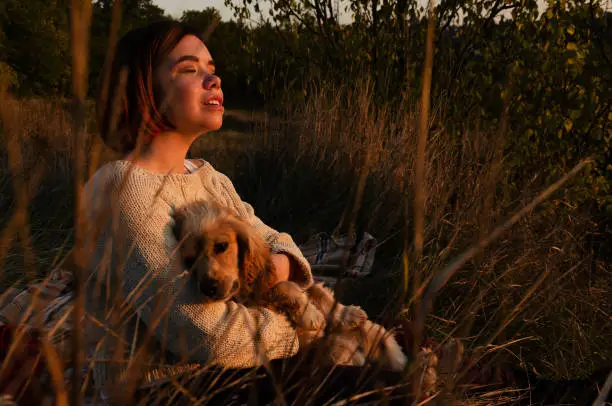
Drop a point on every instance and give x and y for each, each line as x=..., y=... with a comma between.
x=345, y=350
x=311, y=319
x=352, y=316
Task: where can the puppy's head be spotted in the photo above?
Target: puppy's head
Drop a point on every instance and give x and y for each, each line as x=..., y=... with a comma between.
x=226, y=256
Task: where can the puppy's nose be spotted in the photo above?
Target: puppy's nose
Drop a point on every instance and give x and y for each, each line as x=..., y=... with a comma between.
x=209, y=288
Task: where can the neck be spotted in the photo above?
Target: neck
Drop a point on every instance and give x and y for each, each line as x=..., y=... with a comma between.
x=164, y=154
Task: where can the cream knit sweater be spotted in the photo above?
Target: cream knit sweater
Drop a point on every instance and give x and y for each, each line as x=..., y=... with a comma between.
x=133, y=261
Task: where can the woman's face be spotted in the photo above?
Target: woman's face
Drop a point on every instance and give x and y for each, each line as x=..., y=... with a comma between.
x=193, y=98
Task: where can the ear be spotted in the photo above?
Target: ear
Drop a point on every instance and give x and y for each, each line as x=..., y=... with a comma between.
x=254, y=255
x=179, y=217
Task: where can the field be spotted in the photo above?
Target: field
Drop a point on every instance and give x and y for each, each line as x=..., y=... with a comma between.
x=478, y=157
x=535, y=301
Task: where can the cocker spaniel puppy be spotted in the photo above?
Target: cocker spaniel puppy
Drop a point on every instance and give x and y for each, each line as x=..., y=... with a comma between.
x=229, y=260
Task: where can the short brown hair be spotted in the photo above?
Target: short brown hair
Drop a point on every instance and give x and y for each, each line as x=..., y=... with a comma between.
x=129, y=103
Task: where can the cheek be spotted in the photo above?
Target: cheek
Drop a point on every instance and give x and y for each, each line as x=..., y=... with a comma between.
x=187, y=91
x=183, y=100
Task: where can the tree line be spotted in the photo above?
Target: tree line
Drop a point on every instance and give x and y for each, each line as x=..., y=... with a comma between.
x=550, y=68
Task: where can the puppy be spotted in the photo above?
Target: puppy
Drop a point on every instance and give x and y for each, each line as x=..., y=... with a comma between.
x=229, y=260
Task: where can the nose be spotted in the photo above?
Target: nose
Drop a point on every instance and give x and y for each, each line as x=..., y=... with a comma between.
x=212, y=82
x=210, y=288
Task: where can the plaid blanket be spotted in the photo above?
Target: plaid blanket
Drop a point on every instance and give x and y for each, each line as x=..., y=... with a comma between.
x=333, y=257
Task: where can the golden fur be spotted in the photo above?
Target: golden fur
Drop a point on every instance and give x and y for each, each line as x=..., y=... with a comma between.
x=229, y=260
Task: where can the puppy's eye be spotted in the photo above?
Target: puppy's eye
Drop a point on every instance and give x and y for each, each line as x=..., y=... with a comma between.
x=189, y=262
x=220, y=247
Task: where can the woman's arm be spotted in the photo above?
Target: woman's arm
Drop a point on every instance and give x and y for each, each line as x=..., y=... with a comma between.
x=283, y=267
x=286, y=256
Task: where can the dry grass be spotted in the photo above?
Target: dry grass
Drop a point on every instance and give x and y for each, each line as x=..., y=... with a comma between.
x=37, y=160
x=536, y=298
x=322, y=152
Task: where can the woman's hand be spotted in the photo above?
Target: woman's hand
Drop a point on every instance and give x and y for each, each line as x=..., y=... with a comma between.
x=282, y=268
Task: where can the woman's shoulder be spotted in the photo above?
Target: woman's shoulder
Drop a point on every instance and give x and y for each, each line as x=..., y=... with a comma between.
x=109, y=171
x=101, y=177
x=120, y=185
x=122, y=176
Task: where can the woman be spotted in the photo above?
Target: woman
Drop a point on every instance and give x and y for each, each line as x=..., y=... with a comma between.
x=163, y=94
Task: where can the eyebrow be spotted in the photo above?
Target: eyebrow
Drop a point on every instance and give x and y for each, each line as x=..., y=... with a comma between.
x=193, y=58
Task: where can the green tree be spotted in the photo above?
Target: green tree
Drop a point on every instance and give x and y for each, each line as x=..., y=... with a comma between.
x=36, y=44
x=134, y=13
x=207, y=19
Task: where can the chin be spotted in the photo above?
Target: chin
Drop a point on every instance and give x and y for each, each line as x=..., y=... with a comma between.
x=212, y=125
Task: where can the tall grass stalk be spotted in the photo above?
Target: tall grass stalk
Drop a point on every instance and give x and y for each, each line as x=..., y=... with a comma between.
x=80, y=21
x=419, y=190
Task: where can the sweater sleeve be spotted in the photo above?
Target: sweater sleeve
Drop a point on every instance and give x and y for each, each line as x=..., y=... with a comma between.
x=154, y=286
x=279, y=242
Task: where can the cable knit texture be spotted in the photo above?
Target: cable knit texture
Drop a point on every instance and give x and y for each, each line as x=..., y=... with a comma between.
x=133, y=261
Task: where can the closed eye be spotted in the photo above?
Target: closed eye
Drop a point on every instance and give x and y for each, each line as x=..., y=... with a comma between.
x=220, y=247
x=188, y=70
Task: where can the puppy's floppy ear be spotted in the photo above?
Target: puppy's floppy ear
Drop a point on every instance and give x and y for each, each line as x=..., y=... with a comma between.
x=254, y=255
x=180, y=218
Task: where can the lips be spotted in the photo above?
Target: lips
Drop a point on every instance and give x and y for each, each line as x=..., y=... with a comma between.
x=216, y=100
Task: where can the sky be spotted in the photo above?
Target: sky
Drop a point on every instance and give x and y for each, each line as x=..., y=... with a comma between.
x=176, y=7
